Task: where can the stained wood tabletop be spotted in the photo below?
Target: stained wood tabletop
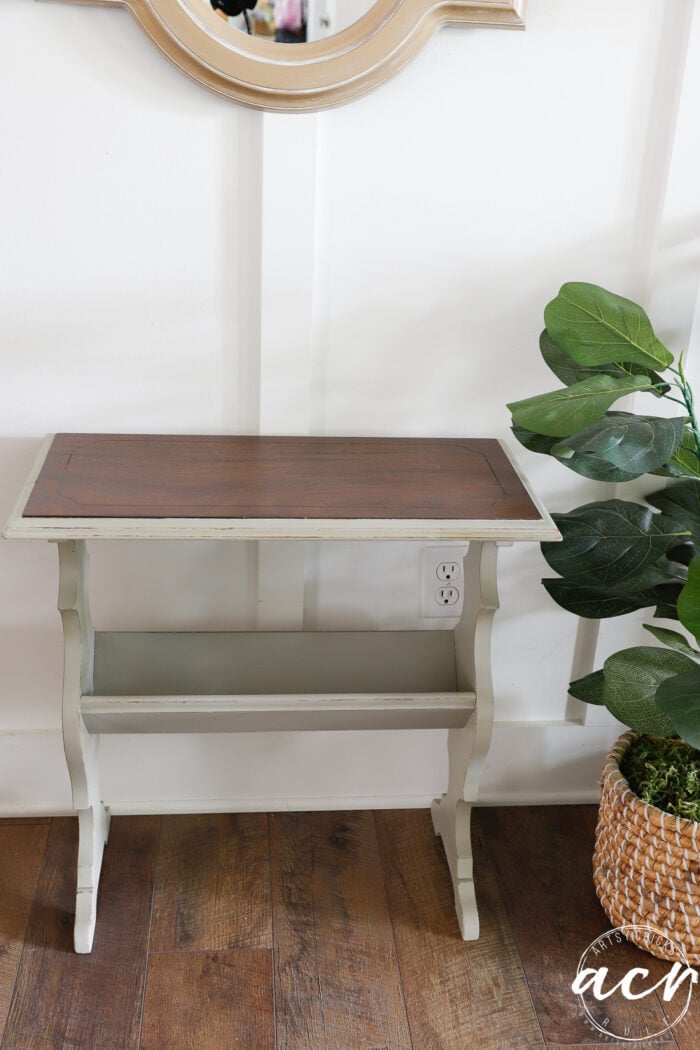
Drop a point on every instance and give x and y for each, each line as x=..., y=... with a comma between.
x=178, y=476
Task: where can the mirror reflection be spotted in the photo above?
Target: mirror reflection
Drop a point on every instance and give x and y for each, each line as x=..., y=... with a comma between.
x=290, y=21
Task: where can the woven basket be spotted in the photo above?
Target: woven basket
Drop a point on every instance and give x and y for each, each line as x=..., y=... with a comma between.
x=646, y=865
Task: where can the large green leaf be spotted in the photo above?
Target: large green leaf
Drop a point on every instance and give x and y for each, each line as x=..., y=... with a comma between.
x=600, y=603
x=679, y=700
x=631, y=443
x=589, y=465
x=566, y=369
x=613, y=543
x=632, y=678
x=561, y=413
x=673, y=639
x=597, y=327
x=590, y=688
x=689, y=600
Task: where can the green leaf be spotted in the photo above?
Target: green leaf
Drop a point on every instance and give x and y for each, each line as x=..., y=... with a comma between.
x=684, y=462
x=532, y=441
x=597, y=327
x=666, y=597
x=561, y=413
x=570, y=372
x=680, y=501
x=678, y=698
x=683, y=554
x=588, y=465
x=589, y=688
x=601, y=603
x=673, y=639
x=634, y=444
x=632, y=678
x=689, y=600
x=615, y=543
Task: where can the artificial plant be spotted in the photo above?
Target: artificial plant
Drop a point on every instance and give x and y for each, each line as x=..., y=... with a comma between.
x=619, y=555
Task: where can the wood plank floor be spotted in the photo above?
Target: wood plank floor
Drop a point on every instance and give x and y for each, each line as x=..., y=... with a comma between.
x=306, y=932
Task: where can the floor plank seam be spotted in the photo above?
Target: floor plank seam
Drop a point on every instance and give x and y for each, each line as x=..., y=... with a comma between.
x=316, y=951
x=11, y=999
x=504, y=899
x=10, y=822
x=674, y=1041
x=380, y=854
x=243, y=949
x=272, y=930
x=150, y=932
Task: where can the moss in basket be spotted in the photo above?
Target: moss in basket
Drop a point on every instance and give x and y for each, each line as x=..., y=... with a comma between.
x=664, y=773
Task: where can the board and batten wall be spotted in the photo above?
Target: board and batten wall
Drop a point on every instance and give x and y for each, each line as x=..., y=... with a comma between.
x=172, y=262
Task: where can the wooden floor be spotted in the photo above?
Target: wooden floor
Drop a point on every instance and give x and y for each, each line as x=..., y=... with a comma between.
x=304, y=932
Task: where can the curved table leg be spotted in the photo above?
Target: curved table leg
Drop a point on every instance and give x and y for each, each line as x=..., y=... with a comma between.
x=80, y=747
x=467, y=747
x=93, y=825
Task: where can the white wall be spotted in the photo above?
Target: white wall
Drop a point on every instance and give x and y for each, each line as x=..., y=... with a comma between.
x=173, y=262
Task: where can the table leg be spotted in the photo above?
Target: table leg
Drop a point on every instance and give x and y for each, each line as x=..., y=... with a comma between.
x=80, y=747
x=467, y=747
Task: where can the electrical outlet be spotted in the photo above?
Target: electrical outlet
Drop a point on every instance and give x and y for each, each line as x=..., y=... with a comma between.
x=441, y=575
x=447, y=595
x=448, y=571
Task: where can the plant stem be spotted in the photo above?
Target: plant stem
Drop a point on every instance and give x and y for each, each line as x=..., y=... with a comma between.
x=687, y=394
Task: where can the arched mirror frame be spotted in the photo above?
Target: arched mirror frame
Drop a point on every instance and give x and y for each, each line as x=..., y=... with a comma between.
x=309, y=76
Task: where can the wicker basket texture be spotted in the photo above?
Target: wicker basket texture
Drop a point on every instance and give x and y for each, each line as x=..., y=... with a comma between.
x=646, y=866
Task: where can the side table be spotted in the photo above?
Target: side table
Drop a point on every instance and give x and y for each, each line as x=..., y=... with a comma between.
x=109, y=486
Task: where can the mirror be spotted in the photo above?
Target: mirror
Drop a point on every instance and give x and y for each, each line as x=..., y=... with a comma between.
x=290, y=21
x=356, y=46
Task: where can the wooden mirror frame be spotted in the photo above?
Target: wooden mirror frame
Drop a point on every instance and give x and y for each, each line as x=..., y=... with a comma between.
x=309, y=76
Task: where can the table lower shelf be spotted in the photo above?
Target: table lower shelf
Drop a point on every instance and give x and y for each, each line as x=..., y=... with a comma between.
x=123, y=682
x=194, y=682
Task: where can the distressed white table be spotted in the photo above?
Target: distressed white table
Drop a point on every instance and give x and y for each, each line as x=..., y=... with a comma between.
x=102, y=486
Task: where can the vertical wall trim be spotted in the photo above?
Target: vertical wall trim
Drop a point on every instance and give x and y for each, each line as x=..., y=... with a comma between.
x=321, y=330
x=670, y=250
x=240, y=272
x=582, y=664
x=290, y=146
x=240, y=268
x=320, y=341
x=665, y=92
x=287, y=303
x=694, y=337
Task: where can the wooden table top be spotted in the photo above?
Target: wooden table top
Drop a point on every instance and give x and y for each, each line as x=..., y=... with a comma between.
x=108, y=477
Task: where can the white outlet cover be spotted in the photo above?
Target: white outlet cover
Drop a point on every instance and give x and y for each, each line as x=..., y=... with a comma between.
x=430, y=583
